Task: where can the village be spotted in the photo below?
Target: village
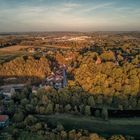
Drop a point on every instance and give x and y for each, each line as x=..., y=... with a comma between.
x=57, y=79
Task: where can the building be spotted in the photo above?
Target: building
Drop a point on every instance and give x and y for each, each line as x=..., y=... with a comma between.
x=4, y=121
x=31, y=50
x=98, y=61
x=34, y=89
x=10, y=90
x=64, y=76
x=58, y=78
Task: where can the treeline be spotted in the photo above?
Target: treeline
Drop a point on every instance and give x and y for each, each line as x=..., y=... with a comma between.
x=69, y=100
x=108, y=77
x=26, y=67
x=9, y=42
x=24, y=106
x=70, y=44
x=39, y=131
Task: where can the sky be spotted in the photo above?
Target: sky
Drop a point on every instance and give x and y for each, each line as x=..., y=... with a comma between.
x=69, y=15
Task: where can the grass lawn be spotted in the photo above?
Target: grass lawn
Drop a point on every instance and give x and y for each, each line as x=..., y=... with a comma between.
x=112, y=126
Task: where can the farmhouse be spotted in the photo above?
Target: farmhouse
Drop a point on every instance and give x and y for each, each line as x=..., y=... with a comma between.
x=9, y=90
x=98, y=61
x=34, y=89
x=4, y=121
x=58, y=78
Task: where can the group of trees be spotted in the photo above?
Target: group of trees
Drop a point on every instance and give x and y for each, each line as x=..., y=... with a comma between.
x=107, y=78
x=26, y=68
x=9, y=41
x=72, y=100
x=24, y=106
x=39, y=131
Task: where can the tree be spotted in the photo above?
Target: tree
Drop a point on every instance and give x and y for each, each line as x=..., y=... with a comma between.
x=29, y=108
x=97, y=113
x=63, y=135
x=56, y=108
x=133, y=101
x=138, y=103
x=99, y=100
x=41, y=109
x=30, y=120
x=108, y=56
x=36, y=127
x=67, y=108
x=15, y=133
x=11, y=107
x=59, y=127
x=34, y=101
x=104, y=113
x=18, y=117
x=24, y=101
x=91, y=101
x=117, y=137
x=87, y=110
x=44, y=100
x=81, y=109
x=95, y=136
x=49, y=108
x=25, y=92
x=72, y=135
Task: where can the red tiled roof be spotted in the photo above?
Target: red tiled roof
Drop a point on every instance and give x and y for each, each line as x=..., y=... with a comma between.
x=3, y=118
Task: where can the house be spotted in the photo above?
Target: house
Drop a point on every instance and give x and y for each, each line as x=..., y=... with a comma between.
x=117, y=63
x=34, y=89
x=4, y=121
x=98, y=61
x=138, y=65
x=8, y=92
x=10, y=80
x=58, y=78
x=31, y=50
x=58, y=85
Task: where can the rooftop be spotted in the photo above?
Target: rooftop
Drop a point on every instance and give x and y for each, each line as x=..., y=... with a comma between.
x=3, y=118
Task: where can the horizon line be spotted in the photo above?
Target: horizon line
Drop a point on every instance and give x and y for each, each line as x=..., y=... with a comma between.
x=70, y=31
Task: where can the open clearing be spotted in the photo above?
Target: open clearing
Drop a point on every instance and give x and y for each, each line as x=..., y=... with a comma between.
x=13, y=48
x=11, y=52
x=123, y=126
x=7, y=56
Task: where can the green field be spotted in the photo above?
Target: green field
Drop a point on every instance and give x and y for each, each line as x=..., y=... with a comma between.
x=9, y=56
x=11, y=52
x=123, y=126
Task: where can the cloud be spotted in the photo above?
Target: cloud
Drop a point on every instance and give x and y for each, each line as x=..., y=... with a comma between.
x=72, y=5
x=129, y=13
x=67, y=15
x=98, y=6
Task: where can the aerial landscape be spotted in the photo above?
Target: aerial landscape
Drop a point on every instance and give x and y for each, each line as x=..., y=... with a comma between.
x=69, y=70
